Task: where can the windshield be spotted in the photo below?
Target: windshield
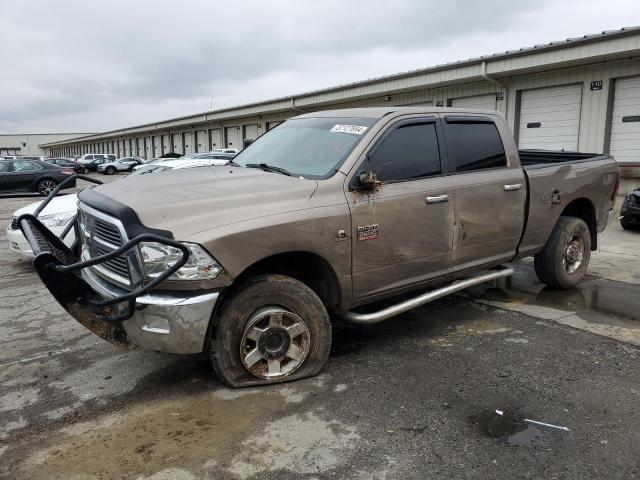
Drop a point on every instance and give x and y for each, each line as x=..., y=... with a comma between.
x=307, y=147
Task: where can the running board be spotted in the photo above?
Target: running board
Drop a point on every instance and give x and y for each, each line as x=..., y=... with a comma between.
x=392, y=311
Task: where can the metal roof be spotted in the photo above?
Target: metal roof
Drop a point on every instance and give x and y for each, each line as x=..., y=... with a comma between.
x=559, y=44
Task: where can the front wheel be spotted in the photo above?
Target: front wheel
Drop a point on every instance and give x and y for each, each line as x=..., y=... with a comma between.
x=272, y=329
x=563, y=261
x=630, y=223
x=46, y=186
x=110, y=170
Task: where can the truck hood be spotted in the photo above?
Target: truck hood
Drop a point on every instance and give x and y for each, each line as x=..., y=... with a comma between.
x=185, y=202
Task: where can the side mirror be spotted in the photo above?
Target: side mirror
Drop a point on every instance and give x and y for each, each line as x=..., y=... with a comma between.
x=369, y=181
x=247, y=142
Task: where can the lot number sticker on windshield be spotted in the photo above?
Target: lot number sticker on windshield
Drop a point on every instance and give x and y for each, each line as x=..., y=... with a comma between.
x=355, y=129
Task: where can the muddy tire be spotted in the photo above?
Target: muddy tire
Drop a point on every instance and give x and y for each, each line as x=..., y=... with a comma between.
x=563, y=261
x=271, y=329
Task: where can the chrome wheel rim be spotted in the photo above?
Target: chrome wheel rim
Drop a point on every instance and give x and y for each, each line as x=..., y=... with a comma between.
x=573, y=254
x=275, y=342
x=47, y=186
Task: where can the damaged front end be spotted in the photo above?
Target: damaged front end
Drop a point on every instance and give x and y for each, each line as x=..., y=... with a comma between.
x=61, y=270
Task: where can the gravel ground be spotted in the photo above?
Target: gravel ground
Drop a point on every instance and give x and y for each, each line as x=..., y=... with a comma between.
x=414, y=397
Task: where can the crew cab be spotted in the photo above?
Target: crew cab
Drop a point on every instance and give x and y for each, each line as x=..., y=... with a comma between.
x=321, y=217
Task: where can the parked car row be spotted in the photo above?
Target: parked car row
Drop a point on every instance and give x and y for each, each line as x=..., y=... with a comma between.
x=61, y=210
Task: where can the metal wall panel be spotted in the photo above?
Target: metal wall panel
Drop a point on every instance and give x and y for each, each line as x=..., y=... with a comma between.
x=482, y=102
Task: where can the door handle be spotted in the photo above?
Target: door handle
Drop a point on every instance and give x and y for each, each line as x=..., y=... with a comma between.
x=512, y=187
x=437, y=199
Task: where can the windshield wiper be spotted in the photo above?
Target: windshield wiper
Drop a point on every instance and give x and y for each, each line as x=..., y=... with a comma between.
x=270, y=168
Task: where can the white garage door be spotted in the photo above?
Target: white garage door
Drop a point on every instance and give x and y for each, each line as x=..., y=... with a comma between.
x=202, y=143
x=166, y=144
x=483, y=102
x=157, y=146
x=271, y=125
x=625, y=121
x=176, y=140
x=233, y=137
x=550, y=118
x=250, y=132
x=216, y=138
x=189, y=147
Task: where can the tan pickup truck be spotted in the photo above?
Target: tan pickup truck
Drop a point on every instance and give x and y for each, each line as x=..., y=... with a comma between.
x=317, y=219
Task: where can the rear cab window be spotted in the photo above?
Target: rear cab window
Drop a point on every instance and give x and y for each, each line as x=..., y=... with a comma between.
x=473, y=143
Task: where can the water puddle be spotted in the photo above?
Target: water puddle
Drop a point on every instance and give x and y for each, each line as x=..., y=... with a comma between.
x=514, y=429
x=594, y=300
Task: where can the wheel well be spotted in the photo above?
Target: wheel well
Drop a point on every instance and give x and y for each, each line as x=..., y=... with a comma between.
x=309, y=268
x=583, y=208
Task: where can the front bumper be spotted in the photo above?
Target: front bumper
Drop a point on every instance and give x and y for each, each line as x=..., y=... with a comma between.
x=141, y=317
x=166, y=322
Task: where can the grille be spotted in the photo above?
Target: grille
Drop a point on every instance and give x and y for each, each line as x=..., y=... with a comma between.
x=633, y=201
x=117, y=265
x=100, y=237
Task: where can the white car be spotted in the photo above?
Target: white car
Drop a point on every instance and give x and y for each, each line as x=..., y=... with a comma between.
x=124, y=164
x=225, y=151
x=56, y=216
x=179, y=163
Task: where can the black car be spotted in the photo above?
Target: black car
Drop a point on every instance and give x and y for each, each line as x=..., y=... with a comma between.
x=20, y=175
x=91, y=161
x=66, y=162
x=630, y=211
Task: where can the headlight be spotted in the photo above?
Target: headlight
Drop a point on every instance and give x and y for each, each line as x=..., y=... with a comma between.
x=158, y=257
x=57, y=219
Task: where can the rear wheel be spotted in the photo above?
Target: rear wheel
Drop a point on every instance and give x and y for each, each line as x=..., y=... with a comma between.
x=563, y=261
x=272, y=329
x=46, y=186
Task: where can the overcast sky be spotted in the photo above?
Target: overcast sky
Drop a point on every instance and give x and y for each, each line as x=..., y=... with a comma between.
x=82, y=66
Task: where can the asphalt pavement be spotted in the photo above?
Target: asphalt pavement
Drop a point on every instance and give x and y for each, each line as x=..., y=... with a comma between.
x=413, y=397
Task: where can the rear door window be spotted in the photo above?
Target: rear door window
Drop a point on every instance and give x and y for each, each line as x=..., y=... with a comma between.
x=473, y=145
x=25, y=166
x=409, y=152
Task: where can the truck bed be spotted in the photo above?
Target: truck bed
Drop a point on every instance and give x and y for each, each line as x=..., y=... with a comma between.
x=541, y=158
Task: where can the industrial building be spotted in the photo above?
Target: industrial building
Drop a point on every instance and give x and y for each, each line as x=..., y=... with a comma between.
x=29, y=143
x=576, y=94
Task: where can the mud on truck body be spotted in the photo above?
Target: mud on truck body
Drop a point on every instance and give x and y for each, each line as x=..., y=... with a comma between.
x=317, y=219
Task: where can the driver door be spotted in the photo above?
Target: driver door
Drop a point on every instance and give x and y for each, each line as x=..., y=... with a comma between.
x=402, y=232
